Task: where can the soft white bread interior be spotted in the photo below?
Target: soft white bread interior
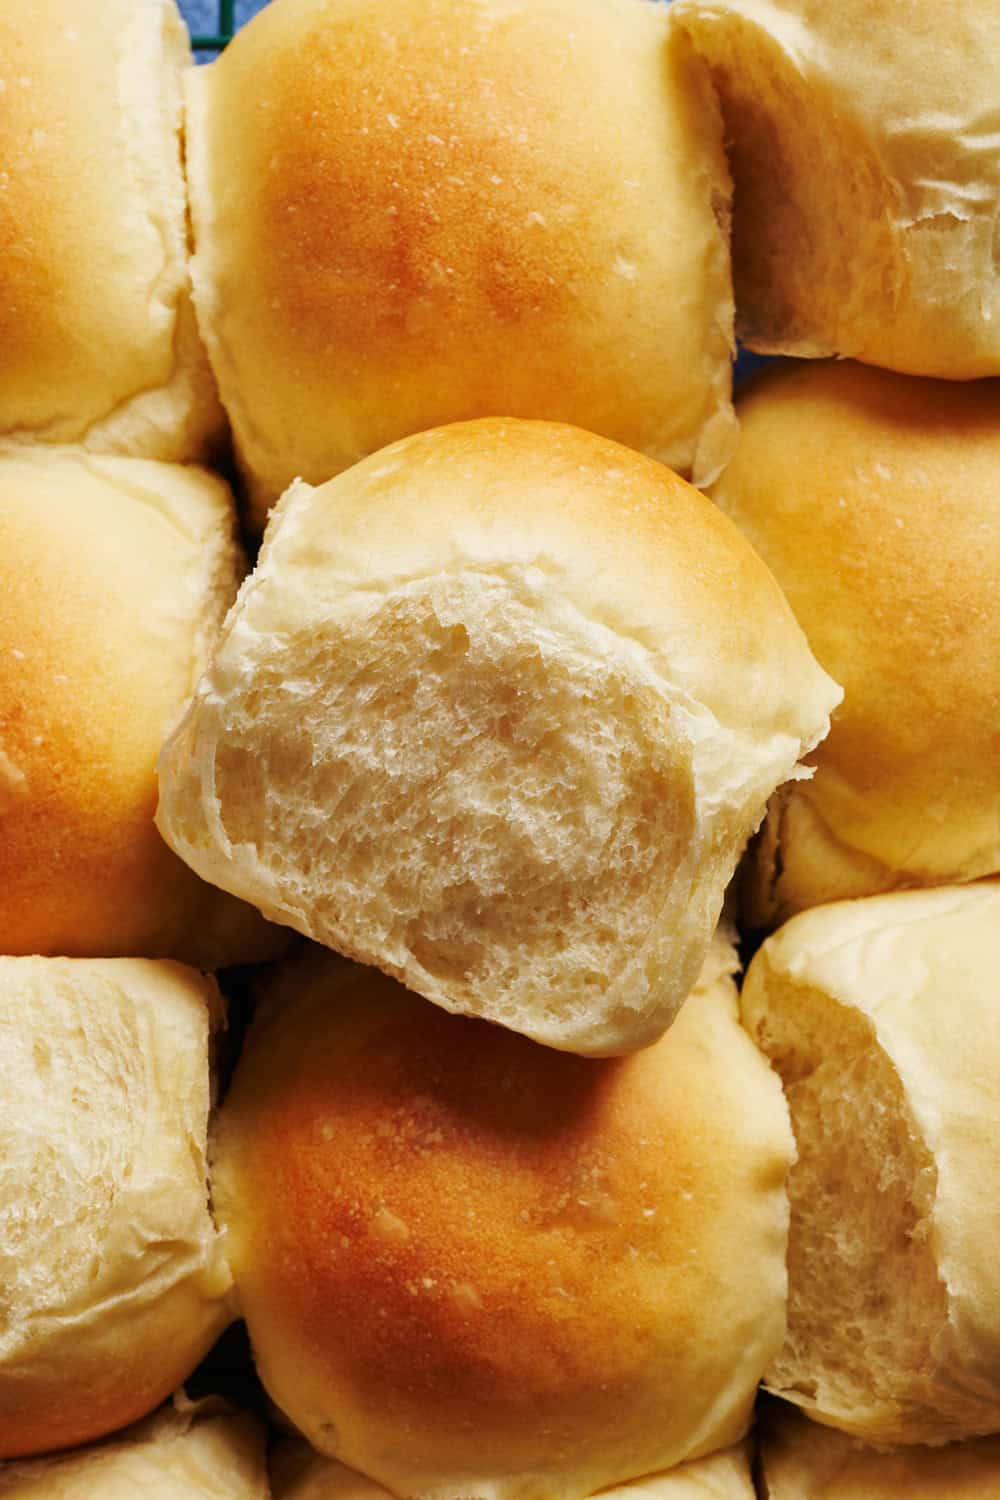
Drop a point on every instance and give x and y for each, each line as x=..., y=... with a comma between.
x=416, y=213
x=862, y=142
x=883, y=1018
x=299, y=1473
x=204, y=1452
x=475, y=1267
x=113, y=1283
x=114, y=577
x=801, y=1460
x=96, y=324
x=497, y=712
x=873, y=498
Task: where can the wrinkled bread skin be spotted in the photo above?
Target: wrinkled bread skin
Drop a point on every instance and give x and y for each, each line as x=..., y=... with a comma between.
x=113, y=1282
x=299, y=1473
x=205, y=1452
x=97, y=328
x=873, y=499
x=916, y=972
x=556, y=677
x=475, y=1267
x=802, y=1461
x=862, y=143
x=408, y=216
x=114, y=578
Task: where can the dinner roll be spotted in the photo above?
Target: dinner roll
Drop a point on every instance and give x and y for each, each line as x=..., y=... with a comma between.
x=205, y=1453
x=496, y=712
x=114, y=576
x=874, y=499
x=474, y=1267
x=113, y=1283
x=411, y=212
x=883, y=1018
x=864, y=151
x=803, y=1461
x=96, y=325
x=299, y=1473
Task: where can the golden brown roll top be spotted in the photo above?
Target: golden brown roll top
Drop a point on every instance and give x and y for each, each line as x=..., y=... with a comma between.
x=113, y=1282
x=419, y=213
x=863, y=146
x=883, y=1018
x=96, y=324
x=802, y=1461
x=496, y=713
x=114, y=577
x=873, y=499
x=472, y=1266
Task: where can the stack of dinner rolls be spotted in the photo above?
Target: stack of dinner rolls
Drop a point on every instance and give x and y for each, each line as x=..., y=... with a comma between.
x=372, y=922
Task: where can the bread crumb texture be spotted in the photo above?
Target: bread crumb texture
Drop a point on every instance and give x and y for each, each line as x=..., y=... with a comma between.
x=862, y=144
x=496, y=712
x=881, y=1018
x=112, y=1279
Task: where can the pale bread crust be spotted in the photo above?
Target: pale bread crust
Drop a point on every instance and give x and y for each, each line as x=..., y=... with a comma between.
x=918, y=969
x=96, y=324
x=299, y=1473
x=873, y=499
x=862, y=142
x=802, y=1461
x=557, y=678
x=472, y=1266
x=199, y=1452
x=115, y=574
x=113, y=1279
x=411, y=215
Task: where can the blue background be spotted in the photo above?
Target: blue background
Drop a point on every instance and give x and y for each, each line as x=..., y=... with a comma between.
x=203, y=15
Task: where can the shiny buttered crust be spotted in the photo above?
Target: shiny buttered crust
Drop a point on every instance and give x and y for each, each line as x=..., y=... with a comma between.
x=883, y=1018
x=112, y=1279
x=496, y=713
x=873, y=498
x=803, y=1461
x=474, y=1267
x=862, y=143
x=208, y=1454
x=299, y=1473
x=114, y=578
x=96, y=324
x=415, y=213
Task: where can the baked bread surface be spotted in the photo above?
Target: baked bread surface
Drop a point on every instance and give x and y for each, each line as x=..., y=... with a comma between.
x=420, y=213
x=114, y=578
x=873, y=499
x=497, y=712
x=299, y=1473
x=203, y=1453
x=800, y=1460
x=862, y=142
x=113, y=1282
x=881, y=1017
x=472, y=1266
x=96, y=323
